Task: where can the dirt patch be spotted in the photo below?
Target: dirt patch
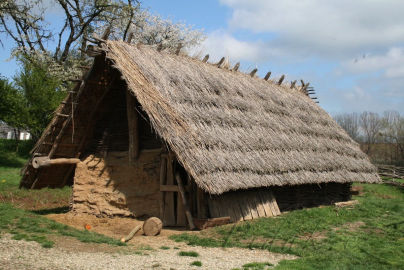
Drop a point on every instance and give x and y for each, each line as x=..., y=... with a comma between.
x=351, y=226
x=316, y=236
x=357, y=190
x=35, y=202
x=116, y=227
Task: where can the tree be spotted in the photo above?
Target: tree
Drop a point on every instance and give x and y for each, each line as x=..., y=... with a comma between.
x=393, y=130
x=41, y=94
x=350, y=123
x=371, y=125
x=12, y=107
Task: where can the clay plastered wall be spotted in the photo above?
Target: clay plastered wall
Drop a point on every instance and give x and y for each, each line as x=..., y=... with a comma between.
x=110, y=186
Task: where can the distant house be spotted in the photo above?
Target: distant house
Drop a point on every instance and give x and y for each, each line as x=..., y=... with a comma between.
x=7, y=132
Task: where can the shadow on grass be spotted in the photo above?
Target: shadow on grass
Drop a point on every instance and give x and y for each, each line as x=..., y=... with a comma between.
x=57, y=210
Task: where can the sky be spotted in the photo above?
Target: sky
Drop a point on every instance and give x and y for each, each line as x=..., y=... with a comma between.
x=351, y=52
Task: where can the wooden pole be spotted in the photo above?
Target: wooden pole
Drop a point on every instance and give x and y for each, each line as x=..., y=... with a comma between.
x=205, y=59
x=252, y=73
x=163, y=173
x=236, y=66
x=131, y=234
x=39, y=162
x=133, y=127
x=281, y=79
x=184, y=201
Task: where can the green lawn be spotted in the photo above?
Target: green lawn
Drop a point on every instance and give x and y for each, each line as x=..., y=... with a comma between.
x=368, y=236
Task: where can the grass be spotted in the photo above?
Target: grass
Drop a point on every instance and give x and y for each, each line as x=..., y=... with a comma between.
x=21, y=210
x=164, y=247
x=188, y=253
x=256, y=266
x=196, y=263
x=369, y=236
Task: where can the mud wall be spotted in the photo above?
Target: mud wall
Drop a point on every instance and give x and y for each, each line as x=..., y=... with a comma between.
x=108, y=186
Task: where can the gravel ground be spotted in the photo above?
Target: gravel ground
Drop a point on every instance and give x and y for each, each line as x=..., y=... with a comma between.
x=30, y=255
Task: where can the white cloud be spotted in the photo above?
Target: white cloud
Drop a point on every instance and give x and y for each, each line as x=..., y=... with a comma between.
x=392, y=63
x=220, y=43
x=334, y=27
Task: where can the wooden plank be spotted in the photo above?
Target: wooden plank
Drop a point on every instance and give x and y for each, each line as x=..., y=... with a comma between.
x=163, y=174
x=252, y=205
x=200, y=203
x=184, y=201
x=228, y=205
x=133, y=127
x=259, y=205
x=274, y=204
x=245, y=209
x=181, y=219
x=265, y=204
x=236, y=208
x=212, y=208
x=169, y=214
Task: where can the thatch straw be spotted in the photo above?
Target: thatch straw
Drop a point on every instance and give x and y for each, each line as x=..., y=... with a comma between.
x=231, y=131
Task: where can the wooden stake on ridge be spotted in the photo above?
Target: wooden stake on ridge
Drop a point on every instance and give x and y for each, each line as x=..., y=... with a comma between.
x=236, y=66
x=252, y=73
x=206, y=58
x=267, y=76
x=281, y=79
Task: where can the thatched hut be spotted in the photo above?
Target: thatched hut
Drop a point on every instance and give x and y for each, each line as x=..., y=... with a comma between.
x=147, y=132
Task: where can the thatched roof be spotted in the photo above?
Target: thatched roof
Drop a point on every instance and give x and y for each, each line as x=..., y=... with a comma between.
x=231, y=131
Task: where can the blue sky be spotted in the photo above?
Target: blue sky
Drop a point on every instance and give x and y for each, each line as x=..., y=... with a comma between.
x=352, y=52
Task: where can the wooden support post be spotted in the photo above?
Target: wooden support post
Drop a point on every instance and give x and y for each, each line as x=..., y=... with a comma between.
x=169, y=215
x=133, y=127
x=184, y=201
x=163, y=174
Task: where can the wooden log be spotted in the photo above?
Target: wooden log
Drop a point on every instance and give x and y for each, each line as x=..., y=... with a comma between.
x=152, y=226
x=163, y=173
x=236, y=66
x=62, y=115
x=281, y=79
x=252, y=73
x=133, y=127
x=348, y=203
x=202, y=224
x=184, y=201
x=206, y=58
x=38, y=162
x=267, y=76
x=131, y=234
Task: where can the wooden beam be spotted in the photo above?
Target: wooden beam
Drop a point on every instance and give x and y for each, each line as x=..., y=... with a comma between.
x=252, y=73
x=184, y=201
x=219, y=64
x=267, y=76
x=281, y=79
x=133, y=127
x=200, y=203
x=206, y=58
x=169, y=213
x=39, y=162
x=236, y=66
x=163, y=174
